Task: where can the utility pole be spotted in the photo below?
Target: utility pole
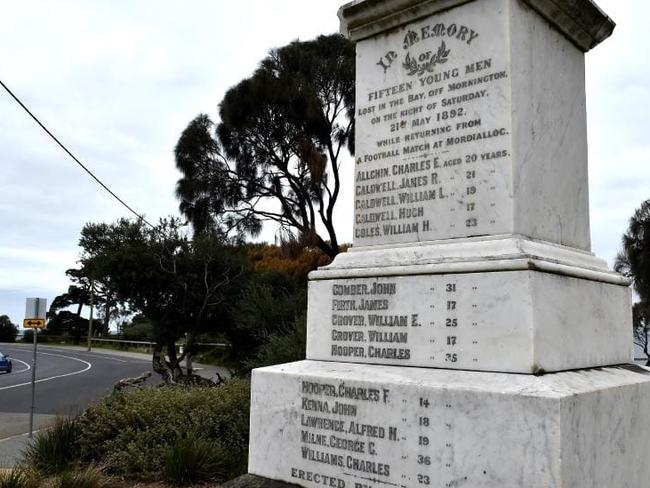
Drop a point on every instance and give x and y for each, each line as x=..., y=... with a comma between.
x=90, y=319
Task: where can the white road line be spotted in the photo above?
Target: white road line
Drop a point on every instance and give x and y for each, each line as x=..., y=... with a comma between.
x=22, y=370
x=50, y=378
x=106, y=356
x=22, y=435
x=87, y=354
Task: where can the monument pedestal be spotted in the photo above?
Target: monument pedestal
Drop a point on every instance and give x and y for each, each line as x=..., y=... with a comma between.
x=351, y=426
x=508, y=304
x=471, y=253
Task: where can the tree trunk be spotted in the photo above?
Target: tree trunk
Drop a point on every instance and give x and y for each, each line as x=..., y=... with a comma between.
x=107, y=318
x=190, y=337
x=174, y=366
x=169, y=366
x=159, y=364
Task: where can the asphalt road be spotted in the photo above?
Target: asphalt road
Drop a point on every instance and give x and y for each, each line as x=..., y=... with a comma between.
x=67, y=380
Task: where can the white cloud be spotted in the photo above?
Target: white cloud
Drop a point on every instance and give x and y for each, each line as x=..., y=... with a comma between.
x=618, y=107
x=118, y=81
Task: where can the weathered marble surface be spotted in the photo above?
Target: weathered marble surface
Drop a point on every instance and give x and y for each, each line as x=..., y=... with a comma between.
x=474, y=254
x=417, y=178
x=511, y=321
x=471, y=250
x=471, y=122
x=582, y=22
x=413, y=427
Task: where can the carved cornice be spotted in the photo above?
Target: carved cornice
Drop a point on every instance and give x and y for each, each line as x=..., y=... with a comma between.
x=581, y=21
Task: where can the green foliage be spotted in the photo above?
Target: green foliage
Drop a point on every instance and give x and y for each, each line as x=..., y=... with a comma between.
x=268, y=318
x=180, y=285
x=139, y=329
x=176, y=283
x=279, y=141
x=282, y=346
x=195, y=153
x=90, y=477
x=131, y=433
x=8, y=331
x=18, y=477
x=54, y=450
x=267, y=306
x=28, y=336
x=193, y=459
x=75, y=296
x=67, y=324
x=634, y=260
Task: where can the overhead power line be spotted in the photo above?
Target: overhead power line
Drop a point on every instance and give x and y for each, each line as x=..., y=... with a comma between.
x=62, y=146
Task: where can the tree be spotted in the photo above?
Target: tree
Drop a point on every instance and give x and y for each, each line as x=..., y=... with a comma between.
x=276, y=154
x=179, y=285
x=634, y=262
x=641, y=327
x=67, y=323
x=76, y=295
x=268, y=305
x=8, y=331
x=62, y=321
x=138, y=329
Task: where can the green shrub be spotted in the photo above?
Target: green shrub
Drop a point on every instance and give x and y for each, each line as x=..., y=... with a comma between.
x=52, y=451
x=91, y=477
x=140, y=329
x=268, y=306
x=18, y=478
x=131, y=433
x=193, y=459
x=284, y=346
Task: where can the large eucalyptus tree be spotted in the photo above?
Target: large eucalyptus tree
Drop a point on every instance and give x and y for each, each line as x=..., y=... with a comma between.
x=276, y=153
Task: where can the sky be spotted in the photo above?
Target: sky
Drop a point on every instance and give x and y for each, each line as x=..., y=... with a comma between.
x=117, y=81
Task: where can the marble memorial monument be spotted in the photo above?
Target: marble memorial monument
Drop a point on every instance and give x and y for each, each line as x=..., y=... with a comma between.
x=469, y=338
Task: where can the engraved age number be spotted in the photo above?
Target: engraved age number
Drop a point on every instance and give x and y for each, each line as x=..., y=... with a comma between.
x=423, y=440
x=451, y=322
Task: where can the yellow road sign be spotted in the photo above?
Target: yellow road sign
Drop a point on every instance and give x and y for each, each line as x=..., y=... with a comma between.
x=34, y=323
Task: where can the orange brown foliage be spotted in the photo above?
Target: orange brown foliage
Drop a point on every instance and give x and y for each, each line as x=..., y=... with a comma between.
x=295, y=263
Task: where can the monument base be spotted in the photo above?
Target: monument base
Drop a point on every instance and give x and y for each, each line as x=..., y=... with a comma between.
x=355, y=426
x=520, y=321
x=498, y=303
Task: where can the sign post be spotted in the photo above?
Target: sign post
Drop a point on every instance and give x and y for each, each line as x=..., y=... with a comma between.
x=35, y=309
x=90, y=320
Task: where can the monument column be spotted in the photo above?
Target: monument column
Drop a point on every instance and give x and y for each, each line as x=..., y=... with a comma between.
x=469, y=338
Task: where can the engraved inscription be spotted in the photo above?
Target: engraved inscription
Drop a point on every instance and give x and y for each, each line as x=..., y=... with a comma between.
x=432, y=321
x=433, y=134
x=354, y=430
x=333, y=433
